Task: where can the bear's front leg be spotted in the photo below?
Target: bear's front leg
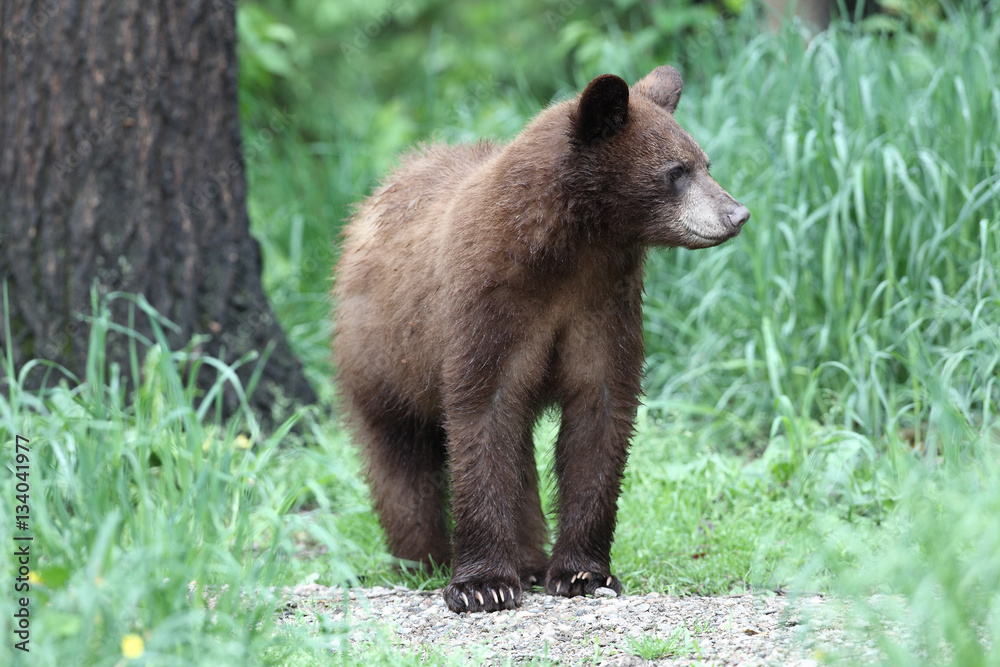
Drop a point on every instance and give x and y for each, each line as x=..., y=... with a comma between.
x=493, y=382
x=599, y=373
x=590, y=459
x=486, y=483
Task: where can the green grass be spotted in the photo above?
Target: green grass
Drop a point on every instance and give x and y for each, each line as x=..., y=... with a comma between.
x=679, y=644
x=822, y=391
x=146, y=520
x=866, y=281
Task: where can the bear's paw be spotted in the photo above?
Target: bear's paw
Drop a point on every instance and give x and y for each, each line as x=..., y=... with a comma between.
x=482, y=596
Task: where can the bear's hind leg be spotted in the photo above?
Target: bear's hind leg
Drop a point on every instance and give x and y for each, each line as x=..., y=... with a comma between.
x=406, y=469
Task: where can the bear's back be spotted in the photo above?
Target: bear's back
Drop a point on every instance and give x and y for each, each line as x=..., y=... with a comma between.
x=426, y=176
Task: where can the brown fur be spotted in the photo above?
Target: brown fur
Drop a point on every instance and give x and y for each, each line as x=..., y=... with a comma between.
x=480, y=284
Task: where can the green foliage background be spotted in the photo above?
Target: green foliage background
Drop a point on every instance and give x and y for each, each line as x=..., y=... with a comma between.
x=821, y=392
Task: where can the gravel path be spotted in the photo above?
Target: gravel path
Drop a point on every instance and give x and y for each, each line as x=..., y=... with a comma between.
x=628, y=630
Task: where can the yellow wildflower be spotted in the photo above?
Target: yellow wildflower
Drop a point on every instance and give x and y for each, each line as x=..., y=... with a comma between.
x=132, y=646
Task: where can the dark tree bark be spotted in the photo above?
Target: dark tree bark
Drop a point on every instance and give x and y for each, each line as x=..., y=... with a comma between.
x=121, y=162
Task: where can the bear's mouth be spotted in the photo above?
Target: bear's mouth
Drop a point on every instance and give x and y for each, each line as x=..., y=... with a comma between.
x=713, y=239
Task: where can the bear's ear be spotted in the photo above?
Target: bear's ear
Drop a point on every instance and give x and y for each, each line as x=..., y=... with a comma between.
x=663, y=85
x=603, y=108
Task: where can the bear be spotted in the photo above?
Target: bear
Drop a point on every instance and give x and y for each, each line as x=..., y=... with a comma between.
x=479, y=285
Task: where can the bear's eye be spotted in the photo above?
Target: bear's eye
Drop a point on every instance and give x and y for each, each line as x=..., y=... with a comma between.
x=677, y=173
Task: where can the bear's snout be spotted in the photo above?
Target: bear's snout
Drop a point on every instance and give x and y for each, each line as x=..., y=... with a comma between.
x=738, y=217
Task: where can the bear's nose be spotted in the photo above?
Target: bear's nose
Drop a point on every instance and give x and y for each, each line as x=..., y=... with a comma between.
x=738, y=216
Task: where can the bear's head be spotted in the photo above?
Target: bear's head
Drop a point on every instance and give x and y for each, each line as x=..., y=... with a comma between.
x=643, y=177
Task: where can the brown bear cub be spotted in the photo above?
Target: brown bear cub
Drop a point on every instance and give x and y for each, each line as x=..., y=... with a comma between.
x=479, y=285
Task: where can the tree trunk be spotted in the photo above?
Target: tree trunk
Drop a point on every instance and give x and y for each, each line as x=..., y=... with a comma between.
x=121, y=163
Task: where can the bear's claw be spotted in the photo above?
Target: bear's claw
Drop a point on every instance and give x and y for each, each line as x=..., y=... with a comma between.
x=580, y=582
